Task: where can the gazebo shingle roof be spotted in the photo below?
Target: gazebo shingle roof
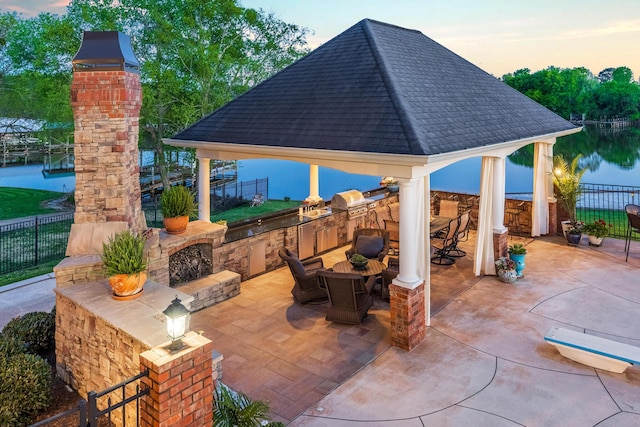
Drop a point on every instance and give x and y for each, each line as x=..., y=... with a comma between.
x=378, y=88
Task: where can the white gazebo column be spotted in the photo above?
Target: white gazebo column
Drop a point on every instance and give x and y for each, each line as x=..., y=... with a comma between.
x=204, y=189
x=314, y=187
x=407, y=299
x=500, y=232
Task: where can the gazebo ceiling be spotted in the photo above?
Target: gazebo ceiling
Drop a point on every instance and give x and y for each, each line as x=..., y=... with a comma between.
x=388, y=93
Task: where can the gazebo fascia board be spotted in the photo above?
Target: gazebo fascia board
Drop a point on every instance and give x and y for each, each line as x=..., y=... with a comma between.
x=383, y=164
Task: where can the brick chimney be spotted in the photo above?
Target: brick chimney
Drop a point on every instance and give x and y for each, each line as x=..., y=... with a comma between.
x=106, y=97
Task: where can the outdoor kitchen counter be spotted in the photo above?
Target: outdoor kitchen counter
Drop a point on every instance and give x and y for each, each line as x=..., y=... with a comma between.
x=285, y=221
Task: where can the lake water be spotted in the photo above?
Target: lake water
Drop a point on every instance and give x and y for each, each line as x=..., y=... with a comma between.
x=613, y=157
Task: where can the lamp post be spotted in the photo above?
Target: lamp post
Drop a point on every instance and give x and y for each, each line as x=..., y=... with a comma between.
x=177, y=323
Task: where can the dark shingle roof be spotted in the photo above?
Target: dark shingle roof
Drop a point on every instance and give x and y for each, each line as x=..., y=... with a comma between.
x=383, y=89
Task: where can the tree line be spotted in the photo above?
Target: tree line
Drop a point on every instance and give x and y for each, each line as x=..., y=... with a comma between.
x=575, y=93
x=196, y=56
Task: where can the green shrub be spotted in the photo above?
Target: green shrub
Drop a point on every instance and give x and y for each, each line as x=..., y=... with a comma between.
x=35, y=329
x=25, y=381
x=11, y=346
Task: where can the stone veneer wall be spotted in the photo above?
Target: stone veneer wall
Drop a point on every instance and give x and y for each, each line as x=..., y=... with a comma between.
x=106, y=107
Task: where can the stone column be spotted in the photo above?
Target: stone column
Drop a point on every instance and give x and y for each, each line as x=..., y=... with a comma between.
x=181, y=384
x=106, y=97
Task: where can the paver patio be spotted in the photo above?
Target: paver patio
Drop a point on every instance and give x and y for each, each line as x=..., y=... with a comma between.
x=484, y=361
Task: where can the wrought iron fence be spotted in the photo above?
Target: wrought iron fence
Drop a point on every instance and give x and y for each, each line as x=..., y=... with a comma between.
x=127, y=395
x=607, y=202
x=35, y=241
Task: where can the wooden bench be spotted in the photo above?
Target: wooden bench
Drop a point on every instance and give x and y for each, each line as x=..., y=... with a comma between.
x=590, y=350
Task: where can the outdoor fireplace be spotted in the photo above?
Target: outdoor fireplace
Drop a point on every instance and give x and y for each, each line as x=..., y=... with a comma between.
x=190, y=263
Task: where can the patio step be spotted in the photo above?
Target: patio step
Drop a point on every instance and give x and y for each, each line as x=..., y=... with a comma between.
x=212, y=289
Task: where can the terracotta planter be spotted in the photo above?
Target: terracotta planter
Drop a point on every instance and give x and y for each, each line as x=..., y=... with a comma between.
x=176, y=225
x=127, y=286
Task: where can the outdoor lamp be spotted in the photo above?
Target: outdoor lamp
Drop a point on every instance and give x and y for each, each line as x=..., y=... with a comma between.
x=177, y=322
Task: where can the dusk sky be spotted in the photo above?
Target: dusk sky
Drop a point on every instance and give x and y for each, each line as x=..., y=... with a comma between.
x=499, y=36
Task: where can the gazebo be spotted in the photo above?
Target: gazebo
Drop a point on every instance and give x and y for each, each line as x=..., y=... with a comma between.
x=388, y=101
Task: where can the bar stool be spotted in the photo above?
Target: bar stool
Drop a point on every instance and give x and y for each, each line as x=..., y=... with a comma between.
x=514, y=215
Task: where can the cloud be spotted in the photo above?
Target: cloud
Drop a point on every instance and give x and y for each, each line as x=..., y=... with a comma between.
x=622, y=27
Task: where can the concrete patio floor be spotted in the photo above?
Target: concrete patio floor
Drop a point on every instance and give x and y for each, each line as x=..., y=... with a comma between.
x=483, y=363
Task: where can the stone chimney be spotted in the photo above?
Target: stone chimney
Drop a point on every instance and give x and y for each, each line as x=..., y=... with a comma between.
x=106, y=97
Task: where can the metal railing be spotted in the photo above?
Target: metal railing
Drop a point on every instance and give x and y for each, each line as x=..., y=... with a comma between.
x=607, y=202
x=88, y=412
x=35, y=241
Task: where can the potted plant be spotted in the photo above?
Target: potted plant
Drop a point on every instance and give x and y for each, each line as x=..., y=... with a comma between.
x=125, y=264
x=574, y=233
x=566, y=179
x=596, y=231
x=517, y=252
x=358, y=261
x=392, y=185
x=506, y=270
x=177, y=205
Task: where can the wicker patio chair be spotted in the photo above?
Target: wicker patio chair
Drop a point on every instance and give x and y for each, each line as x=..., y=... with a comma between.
x=372, y=243
x=388, y=274
x=306, y=287
x=349, y=296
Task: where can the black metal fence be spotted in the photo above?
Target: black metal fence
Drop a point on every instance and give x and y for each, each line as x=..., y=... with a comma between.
x=87, y=414
x=607, y=202
x=35, y=241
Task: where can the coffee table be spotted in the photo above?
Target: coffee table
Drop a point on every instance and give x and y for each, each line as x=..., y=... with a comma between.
x=373, y=268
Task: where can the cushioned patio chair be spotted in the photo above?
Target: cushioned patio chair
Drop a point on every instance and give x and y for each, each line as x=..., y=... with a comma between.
x=448, y=208
x=349, y=296
x=445, y=244
x=633, y=226
x=372, y=243
x=306, y=287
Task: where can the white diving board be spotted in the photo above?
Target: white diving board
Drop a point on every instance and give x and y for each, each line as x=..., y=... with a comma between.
x=590, y=350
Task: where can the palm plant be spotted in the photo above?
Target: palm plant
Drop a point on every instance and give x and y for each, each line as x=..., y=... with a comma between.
x=237, y=410
x=566, y=178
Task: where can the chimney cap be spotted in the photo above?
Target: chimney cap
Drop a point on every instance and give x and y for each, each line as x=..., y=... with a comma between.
x=104, y=51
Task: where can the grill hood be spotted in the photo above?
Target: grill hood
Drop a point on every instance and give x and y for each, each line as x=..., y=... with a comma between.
x=347, y=199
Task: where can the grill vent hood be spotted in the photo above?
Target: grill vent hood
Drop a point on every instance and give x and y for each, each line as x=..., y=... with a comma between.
x=347, y=199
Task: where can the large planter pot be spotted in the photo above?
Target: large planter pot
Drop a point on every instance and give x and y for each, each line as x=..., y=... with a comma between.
x=176, y=225
x=127, y=286
x=595, y=241
x=519, y=260
x=508, y=276
x=573, y=239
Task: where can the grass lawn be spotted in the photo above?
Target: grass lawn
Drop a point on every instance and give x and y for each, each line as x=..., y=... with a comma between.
x=21, y=202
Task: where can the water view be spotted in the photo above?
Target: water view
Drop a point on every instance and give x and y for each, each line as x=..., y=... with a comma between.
x=612, y=156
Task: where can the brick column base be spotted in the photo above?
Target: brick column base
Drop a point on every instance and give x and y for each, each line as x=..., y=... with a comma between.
x=408, y=321
x=500, y=244
x=180, y=383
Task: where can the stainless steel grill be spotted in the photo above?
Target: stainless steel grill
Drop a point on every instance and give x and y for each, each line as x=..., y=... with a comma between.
x=353, y=202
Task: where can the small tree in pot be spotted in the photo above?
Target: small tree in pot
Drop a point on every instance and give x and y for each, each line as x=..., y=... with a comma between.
x=566, y=178
x=177, y=204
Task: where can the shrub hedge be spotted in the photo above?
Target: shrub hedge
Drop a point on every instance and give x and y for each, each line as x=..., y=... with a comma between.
x=35, y=329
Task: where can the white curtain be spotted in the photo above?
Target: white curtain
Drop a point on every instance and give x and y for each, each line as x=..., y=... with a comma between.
x=424, y=242
x=484, y=259
x=541, y=176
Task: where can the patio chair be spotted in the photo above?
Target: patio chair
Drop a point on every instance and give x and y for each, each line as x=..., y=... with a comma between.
x=463, y=234
x=372, y=243
x=349, y=296
x=633, y=226
x=445, y=244
x=393, y=227
x=388, y=274
x=306, y=287
x=514, y=215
